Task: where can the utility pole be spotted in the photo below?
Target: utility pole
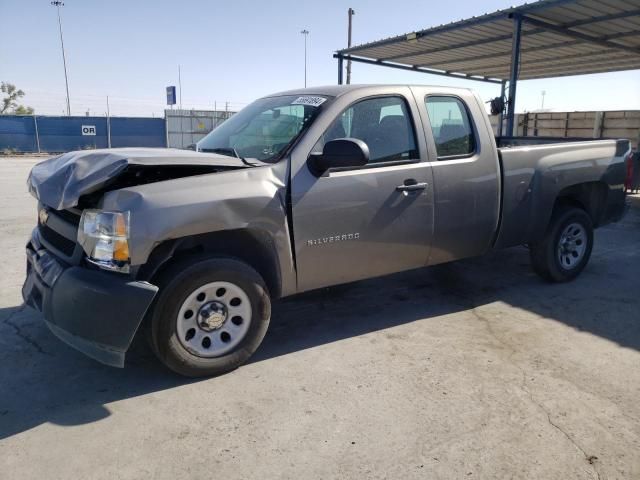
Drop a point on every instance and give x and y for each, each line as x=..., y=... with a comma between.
x=544, y=92
x=180, y=105
x=306, y=34
x=59, y=4
x=351, y=13
x=180, y=86
x=108, y=124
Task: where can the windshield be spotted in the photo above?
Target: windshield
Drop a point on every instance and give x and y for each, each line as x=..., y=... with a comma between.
x=264, y=129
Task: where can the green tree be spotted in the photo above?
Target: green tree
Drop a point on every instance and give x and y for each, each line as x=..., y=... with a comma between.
x=10, y=100
x=22, y=110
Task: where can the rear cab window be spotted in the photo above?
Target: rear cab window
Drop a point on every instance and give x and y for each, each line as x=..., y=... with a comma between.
x=452, y=127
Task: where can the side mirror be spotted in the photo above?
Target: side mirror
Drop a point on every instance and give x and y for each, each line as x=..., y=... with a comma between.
x=341, y=152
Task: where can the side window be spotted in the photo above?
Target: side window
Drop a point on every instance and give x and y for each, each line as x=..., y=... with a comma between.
x=451, y=126
x=383, y=123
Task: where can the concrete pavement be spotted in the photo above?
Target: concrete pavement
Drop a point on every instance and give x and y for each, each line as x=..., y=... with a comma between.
x=471, y=370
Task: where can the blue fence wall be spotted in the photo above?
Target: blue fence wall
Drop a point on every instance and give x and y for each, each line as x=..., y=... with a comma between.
x=18, y=133
x=63, y=134
x=138, y=132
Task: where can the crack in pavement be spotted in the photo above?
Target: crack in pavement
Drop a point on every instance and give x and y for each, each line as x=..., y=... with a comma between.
x=591, y=459
x=18, y=331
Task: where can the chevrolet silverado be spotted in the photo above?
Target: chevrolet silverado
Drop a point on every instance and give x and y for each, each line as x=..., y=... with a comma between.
x=300, y=190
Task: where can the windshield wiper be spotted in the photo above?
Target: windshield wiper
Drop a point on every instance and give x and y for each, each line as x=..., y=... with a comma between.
x=229, y=152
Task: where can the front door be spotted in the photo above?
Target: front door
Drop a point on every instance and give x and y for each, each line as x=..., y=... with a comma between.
x=369, y=221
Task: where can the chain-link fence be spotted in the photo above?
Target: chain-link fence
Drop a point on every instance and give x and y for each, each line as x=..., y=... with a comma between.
x=187, y=127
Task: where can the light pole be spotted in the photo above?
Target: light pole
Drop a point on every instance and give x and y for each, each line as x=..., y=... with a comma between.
x=59, y=4
x=350, y=13
x=180, y=87
x=306, y=34
x=543, y=94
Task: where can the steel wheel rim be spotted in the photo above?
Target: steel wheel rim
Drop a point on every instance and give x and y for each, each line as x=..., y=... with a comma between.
x=572, y=246
x=213, y=319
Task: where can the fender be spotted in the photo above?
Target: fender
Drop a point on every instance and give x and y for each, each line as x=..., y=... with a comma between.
x=250, y=199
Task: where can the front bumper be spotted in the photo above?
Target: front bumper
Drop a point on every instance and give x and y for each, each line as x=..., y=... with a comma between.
x=94, y=311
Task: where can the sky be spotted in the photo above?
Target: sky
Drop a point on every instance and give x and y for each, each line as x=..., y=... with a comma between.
x=236, y=51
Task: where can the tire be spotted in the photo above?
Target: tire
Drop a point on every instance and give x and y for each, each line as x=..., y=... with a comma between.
x=565, y=249
x=242, y=313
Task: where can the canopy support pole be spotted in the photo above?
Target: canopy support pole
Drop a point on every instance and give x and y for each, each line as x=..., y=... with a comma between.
x=501, y=115
x=515, y=67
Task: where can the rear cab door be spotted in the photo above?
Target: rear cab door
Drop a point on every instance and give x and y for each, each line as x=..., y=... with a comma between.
x=357, y=223
x=466, y=172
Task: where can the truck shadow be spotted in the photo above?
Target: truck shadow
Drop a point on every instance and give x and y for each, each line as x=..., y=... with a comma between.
x=41, y=380
x=601, y=302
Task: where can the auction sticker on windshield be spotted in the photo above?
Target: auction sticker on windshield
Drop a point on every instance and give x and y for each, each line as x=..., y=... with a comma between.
x=309, y=100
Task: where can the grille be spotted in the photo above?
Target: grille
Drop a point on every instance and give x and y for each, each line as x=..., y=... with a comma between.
x=67, y=215
x=63, y=244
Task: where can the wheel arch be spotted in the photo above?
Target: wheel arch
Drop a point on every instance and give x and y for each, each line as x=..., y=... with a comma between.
x=252, y=246
x=589, y=196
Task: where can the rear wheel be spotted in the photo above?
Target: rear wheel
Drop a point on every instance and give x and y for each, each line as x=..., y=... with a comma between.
x=565, y=249
x=210, y=317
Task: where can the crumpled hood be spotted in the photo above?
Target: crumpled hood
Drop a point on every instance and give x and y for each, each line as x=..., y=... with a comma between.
x=60, y=181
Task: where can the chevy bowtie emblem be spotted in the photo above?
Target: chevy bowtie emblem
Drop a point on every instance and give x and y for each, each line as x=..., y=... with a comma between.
x=43, y=216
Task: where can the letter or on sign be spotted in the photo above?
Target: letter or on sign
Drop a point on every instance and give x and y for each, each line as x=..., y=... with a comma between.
x=88, y=129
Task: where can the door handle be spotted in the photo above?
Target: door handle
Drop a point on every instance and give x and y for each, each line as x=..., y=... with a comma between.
x=411, y=186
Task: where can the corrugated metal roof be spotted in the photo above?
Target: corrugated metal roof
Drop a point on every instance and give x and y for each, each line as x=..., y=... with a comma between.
x=576, y=37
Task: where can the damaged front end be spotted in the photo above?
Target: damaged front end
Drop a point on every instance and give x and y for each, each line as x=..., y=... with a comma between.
x=78, y=255
x=81, y=178
x=94, y=311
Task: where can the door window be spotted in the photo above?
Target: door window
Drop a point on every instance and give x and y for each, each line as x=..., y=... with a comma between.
x=383, y=123
x=451, y=126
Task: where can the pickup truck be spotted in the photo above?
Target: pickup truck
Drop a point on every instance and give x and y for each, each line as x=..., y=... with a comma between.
x=300, y=190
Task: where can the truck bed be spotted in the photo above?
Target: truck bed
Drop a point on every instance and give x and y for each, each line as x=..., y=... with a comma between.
x=507, y=142
x=536, y=170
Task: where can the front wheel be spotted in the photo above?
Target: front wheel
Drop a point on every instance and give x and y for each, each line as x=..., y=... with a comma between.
x=210, y=317
x=565, y=249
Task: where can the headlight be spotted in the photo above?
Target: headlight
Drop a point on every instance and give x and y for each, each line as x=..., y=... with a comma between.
x=104, y=236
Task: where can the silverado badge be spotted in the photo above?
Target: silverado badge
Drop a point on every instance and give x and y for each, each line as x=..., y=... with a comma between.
x=333, y=239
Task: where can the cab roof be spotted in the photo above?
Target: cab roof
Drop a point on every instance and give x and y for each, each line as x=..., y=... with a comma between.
x=337, y=90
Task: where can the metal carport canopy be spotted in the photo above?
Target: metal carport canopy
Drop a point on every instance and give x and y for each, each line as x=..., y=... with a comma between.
x=548, y=38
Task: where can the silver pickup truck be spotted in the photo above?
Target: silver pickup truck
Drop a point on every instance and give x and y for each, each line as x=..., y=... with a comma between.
x=300, y=190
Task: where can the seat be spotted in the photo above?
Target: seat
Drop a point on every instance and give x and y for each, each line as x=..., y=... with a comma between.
x=453, y=139
x=336, y=131
x=451, y=131
x=391, y=137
